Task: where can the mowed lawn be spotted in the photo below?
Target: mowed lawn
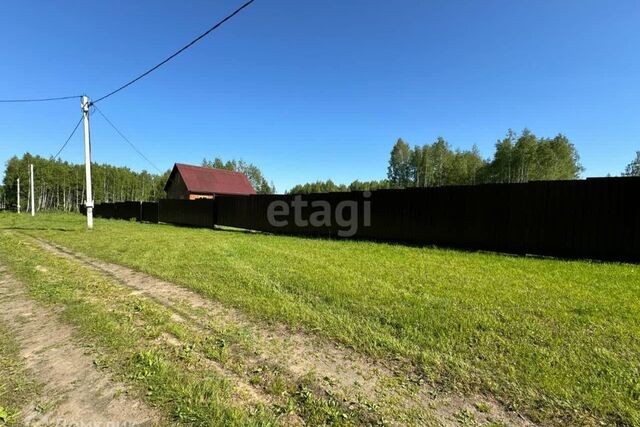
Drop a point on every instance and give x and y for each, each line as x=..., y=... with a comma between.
x=557, y=340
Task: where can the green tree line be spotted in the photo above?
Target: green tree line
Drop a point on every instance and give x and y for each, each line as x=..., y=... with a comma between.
x=252, y=172
x=517, y=158
x=329, y=186
x=60, y=185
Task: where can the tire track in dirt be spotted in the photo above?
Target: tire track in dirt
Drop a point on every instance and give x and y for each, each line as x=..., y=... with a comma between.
x=384, y=389
x=74, y=392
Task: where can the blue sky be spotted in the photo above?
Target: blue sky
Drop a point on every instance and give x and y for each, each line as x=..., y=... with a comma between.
x=316, y=90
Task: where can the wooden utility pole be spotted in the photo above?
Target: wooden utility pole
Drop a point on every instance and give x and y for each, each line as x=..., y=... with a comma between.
x=32, y=191
x=85, y=103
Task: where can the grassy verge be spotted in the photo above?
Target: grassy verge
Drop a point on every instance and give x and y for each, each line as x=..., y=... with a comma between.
x=557, y=340
x=16, y=386
x=122, y=334
x=127, y=335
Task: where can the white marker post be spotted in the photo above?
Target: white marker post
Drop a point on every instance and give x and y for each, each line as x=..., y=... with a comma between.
x=84, y=103
x=18, y=195
x=32, y=190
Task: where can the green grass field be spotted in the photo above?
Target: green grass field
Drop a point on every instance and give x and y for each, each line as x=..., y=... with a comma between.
x=557, y=340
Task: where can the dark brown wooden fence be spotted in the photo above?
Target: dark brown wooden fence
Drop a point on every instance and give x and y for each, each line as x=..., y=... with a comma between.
x=594, y=218
x=195, y=213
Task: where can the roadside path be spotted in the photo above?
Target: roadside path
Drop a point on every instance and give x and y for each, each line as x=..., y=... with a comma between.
x=74, y=392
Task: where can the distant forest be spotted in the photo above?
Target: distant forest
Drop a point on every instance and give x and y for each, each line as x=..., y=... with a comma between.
x=517, y=158
x=60, y=185
x=253, y=173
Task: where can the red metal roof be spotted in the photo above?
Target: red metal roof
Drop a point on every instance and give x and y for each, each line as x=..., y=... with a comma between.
x=202, y=180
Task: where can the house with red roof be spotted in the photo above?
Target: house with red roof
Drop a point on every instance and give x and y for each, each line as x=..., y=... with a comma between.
x=196, y=182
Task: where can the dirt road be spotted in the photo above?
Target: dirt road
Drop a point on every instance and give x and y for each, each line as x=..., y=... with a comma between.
x=74, y=391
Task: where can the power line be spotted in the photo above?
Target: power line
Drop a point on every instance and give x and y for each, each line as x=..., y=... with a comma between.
x=68, y=139
x=60, y=98
x=149, y=71
x=194, y=41
x=127, y=140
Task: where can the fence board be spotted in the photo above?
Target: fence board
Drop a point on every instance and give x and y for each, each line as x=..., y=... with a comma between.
x=198, y=213
x=593, y=218
x=149, y=212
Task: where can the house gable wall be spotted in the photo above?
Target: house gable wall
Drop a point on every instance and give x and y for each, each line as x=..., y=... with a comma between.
x=177, y=188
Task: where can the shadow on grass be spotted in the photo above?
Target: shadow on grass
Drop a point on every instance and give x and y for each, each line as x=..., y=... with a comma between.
x=423, y=245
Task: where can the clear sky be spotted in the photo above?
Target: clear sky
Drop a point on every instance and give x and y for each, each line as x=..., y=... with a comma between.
x=312, y=90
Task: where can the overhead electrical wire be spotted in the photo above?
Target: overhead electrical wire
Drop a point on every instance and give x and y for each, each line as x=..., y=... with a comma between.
x=68, y=139
x=149, y=71
x=60, y=98
x=127, y=140
x=187, y=46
